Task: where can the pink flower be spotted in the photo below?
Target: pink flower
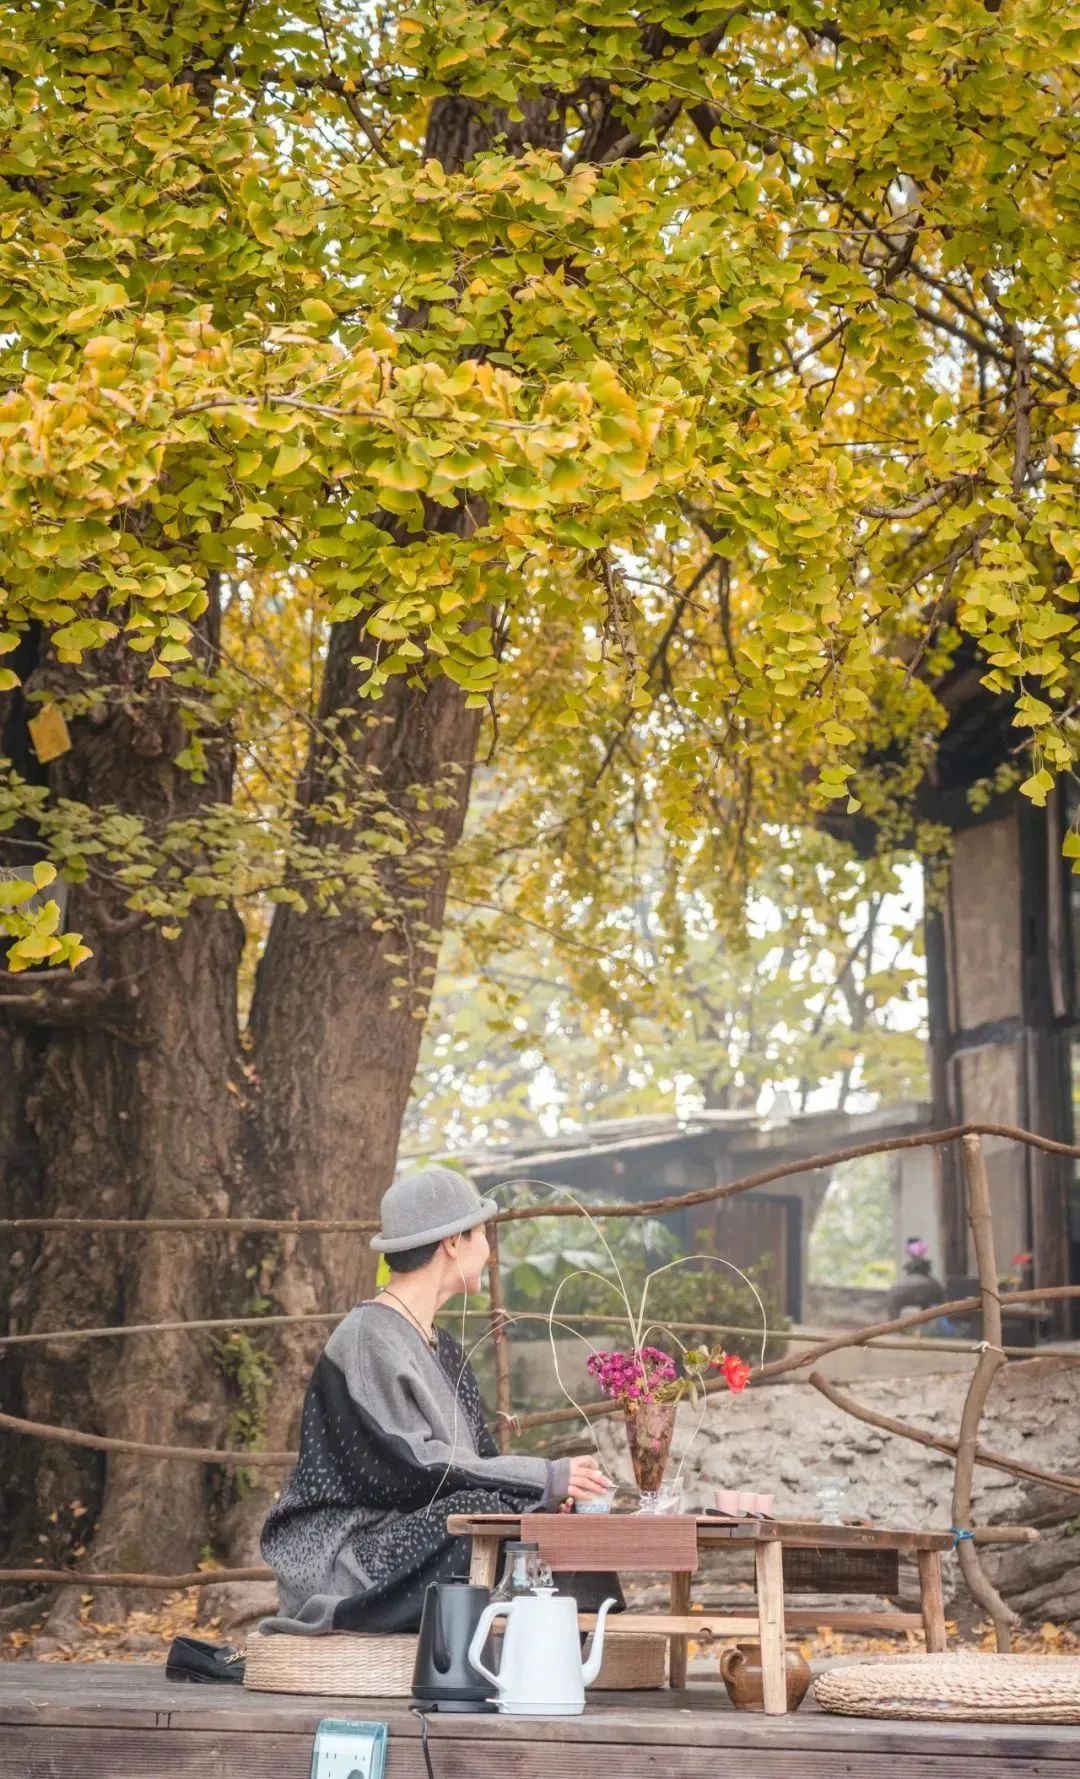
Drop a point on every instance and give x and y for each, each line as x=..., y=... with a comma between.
x=632, y=1377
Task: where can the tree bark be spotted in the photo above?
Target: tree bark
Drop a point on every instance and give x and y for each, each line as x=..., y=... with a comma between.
x=127, y=1115
x=1043, y=1583
x=21, y=1187
x=334, y=1057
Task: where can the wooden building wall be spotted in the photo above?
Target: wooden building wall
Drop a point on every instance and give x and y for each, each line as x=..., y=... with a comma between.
x=1003, y=1016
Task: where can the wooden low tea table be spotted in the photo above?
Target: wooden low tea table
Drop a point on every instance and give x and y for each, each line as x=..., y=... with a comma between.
x=790, y=1556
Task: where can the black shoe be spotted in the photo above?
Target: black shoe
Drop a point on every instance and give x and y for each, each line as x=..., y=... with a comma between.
x=188, y=1659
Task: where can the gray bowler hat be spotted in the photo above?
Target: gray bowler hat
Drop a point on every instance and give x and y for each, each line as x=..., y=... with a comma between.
x=426, y=1206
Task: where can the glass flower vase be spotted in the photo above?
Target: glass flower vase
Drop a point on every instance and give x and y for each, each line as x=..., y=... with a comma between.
x=649, y=1430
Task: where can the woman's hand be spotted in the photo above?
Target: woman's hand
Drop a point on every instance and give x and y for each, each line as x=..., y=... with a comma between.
x=587, y=1480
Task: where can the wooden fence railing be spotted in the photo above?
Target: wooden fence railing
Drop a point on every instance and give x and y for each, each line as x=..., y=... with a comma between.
x=967, y=1451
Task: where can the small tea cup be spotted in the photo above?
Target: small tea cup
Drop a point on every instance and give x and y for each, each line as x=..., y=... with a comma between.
x=740, y=1501
x=597, y=1503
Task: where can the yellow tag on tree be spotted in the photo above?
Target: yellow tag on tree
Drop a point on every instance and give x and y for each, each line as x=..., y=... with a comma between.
x=49, y=733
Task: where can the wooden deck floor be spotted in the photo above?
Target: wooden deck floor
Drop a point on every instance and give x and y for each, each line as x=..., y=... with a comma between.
x=111, y=1721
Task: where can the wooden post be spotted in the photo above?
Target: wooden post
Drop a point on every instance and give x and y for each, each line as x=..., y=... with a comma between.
x=680, y=1606
x=990, y=1359
x=498, y=1341
x=769, y=1572
x=932, y=1600
x=484, y=1562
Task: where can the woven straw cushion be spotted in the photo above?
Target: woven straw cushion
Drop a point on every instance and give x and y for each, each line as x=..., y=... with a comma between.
x=340, y=1663
x=976, y=1688
x=382, y=1667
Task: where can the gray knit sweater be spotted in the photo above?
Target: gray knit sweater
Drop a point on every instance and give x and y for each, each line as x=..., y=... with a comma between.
x=392, y=1431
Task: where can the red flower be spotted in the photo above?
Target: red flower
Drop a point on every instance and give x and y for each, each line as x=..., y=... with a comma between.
x=736, y=1372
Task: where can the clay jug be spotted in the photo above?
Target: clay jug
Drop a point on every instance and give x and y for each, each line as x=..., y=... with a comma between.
x=740, y=1670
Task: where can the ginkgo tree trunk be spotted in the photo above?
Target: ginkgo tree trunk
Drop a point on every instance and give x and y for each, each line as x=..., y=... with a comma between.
x=666, y=392
x=123, y=1104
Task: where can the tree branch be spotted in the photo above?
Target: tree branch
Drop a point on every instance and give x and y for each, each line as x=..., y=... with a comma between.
x=990, y=1360
x=920, y=502
x=58, y=1000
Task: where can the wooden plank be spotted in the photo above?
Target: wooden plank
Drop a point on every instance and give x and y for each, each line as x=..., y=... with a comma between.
x=811, y=1618
x=843, y=1537
x=811, y=1536
x=678, y=1646
x=703, y=1625
x=52, y=1699
x=707, y=1625
x=712, y=1624
x=623, y=1542
x=484, y=1561
x=933, y=1600
x=811, y=1533
x=161, y=1754
x=499, y=1525
x=769, y=1571
x=172, y=1754
x=541, y=1759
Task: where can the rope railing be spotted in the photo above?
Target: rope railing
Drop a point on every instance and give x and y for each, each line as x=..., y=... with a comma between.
x=102, y=1442
x=820, y=1346
x=126, y=1578
x=553, y=1417
x=682, y=1201
x=966, y=1450
x=955, y=1344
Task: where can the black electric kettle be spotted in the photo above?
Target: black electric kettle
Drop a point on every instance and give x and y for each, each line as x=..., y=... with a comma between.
x=443, y=1680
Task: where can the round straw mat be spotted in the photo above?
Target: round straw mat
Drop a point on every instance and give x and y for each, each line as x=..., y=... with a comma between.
x=973, y=1688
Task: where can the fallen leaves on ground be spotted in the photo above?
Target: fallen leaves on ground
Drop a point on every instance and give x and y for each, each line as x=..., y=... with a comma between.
x=142, y=1637
x=145, y=1636
x=1046, y=1639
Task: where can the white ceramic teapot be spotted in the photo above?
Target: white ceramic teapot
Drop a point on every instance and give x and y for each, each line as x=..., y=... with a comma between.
x=541, y=1673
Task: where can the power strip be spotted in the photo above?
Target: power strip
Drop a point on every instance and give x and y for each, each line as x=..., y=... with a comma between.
x=345, y=1750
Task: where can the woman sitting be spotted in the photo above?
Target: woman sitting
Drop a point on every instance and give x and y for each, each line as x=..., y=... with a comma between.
x=393, y=1437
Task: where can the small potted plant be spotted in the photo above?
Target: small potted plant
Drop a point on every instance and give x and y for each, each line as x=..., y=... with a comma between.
x=917, y=1261
x=918, y=1289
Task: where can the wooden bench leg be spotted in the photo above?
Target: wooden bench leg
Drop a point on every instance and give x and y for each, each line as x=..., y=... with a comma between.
x=932, y=1599
x=769, y=1573
x=484, y=1562
x=678, y=1646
